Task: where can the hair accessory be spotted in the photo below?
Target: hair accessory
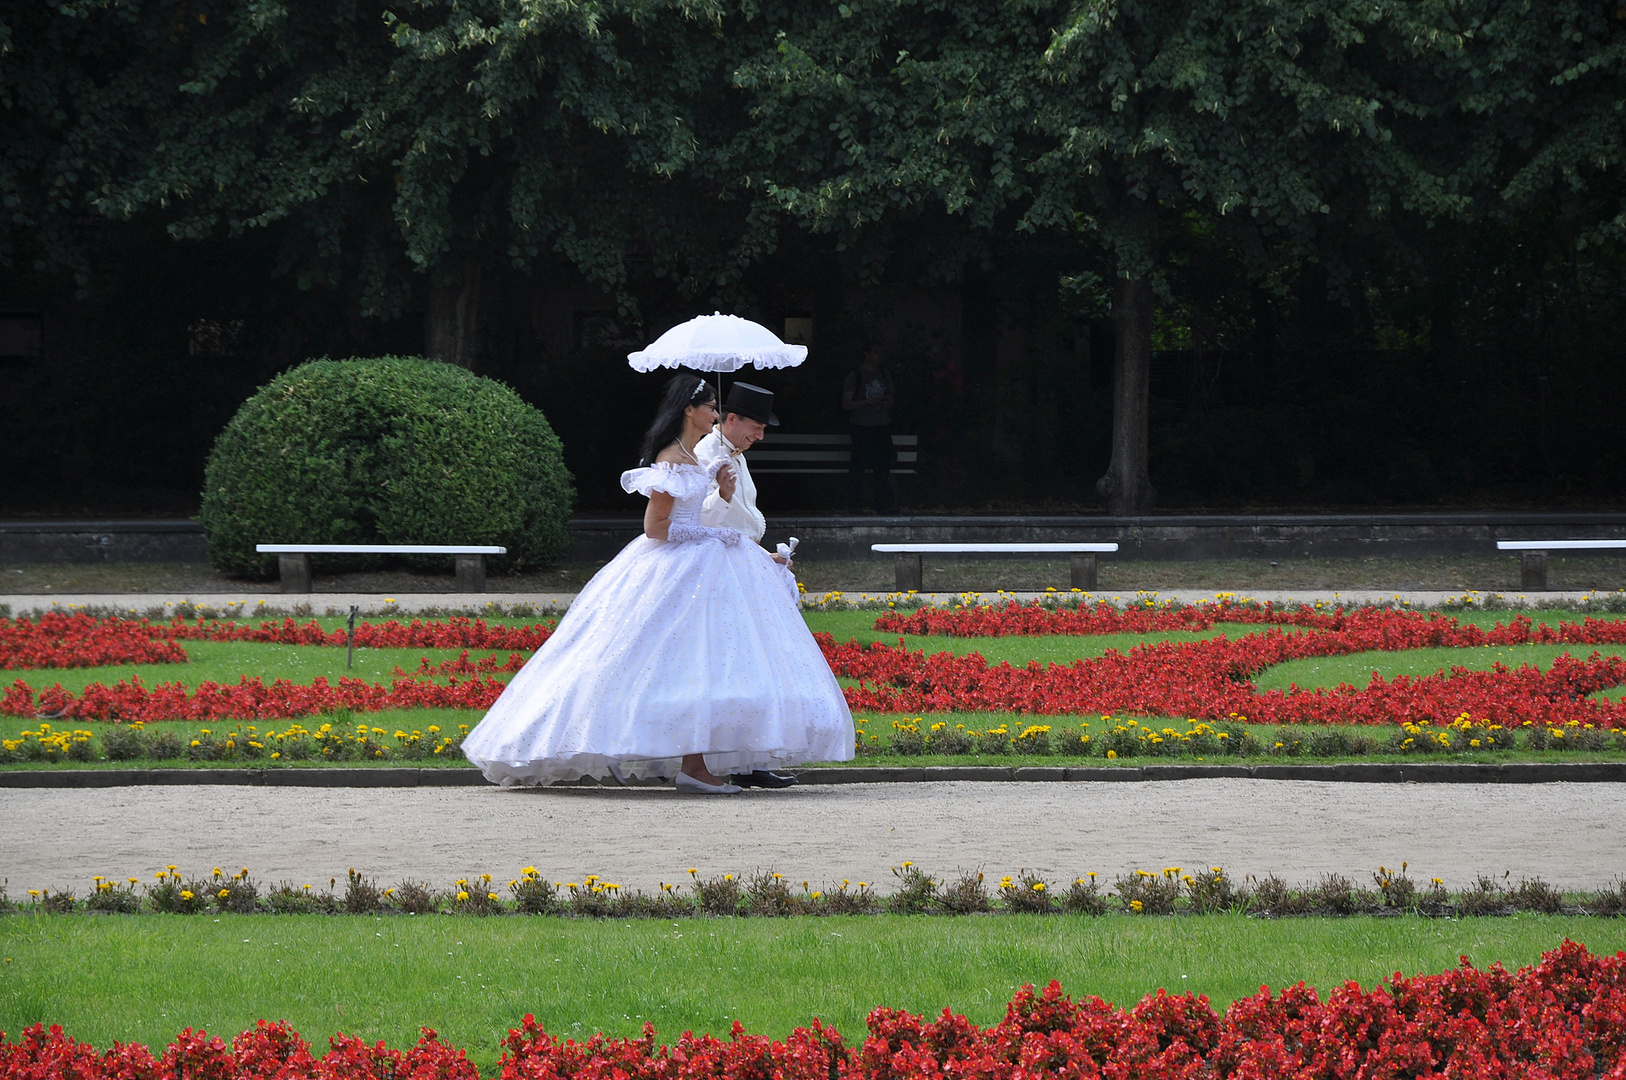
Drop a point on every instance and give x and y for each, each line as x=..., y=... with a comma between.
x=698, y=386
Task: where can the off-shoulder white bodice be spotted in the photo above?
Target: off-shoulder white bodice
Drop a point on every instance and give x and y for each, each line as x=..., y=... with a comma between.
x=687, y=484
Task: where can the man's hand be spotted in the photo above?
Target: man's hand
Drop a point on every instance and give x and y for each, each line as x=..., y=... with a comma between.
x=725, y=483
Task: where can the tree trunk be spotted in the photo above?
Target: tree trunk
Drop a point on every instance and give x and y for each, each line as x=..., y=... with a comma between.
x=451, y=327
x=1127, y=486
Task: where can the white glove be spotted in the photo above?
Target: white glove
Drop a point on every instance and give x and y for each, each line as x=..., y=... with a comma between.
x=682, y=534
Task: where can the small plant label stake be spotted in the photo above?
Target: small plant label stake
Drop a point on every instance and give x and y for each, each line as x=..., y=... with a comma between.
x=350, y=640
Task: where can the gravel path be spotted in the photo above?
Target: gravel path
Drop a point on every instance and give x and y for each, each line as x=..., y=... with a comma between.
x=1568, y=834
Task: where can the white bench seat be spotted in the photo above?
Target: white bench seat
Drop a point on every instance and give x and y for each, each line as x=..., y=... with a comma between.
x=1533, y=556
x=294, y=560
x=907, y=563
x=778, y=452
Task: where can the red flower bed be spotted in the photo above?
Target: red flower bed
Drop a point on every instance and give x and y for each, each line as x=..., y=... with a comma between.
x=61, y=641
x=69, y=641
x=486, y=665
x=250, y=699
x=1103, y=618
x=417, y=634
x=1211, y=680
x=72, y=641
x=1406, y=629
x=1564, y=1019
x=1206, y=680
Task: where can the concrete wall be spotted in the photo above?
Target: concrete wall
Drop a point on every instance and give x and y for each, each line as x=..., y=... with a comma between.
x=177, y=540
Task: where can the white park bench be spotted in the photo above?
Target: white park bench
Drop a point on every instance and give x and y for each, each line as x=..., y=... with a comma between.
x=294, y=560
x=1533, y=556
x=907, y=558
x=781, y=453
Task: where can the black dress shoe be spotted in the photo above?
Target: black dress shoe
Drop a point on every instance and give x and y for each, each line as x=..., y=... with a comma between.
x=764, y=779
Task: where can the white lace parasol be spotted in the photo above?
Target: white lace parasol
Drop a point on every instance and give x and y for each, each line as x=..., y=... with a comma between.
x=717, y=343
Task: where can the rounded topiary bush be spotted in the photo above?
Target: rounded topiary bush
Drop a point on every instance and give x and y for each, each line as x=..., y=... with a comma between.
x=387, y=450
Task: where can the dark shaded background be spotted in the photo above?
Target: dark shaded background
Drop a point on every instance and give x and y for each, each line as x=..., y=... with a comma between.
x=1489, y=374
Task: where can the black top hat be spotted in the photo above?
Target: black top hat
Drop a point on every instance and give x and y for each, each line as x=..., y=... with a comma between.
x=751, y=402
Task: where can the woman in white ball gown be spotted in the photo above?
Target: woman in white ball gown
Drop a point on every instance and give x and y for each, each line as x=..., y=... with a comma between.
x=686, y=654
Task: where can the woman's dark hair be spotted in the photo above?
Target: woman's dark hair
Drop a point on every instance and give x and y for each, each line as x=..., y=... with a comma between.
x=681, y=392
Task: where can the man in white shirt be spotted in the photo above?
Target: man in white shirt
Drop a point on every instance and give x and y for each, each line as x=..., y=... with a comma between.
x=747, y=414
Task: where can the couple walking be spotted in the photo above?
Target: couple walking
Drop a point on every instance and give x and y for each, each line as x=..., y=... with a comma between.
x=687, y=653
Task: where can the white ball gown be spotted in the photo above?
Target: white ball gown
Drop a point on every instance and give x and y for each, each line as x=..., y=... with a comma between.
x=673, y=648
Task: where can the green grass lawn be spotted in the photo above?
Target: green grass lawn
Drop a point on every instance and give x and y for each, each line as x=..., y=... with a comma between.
x=1357, y=668
x=228, y=661
x=143, y=978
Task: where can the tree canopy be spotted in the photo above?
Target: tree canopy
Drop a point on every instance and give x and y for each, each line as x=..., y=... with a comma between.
x=403, y=147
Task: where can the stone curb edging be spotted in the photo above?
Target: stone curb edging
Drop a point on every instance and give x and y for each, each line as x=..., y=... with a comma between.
x=1356, y=773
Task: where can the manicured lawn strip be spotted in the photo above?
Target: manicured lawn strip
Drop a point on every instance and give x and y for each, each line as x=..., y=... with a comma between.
x=226, y=662
x=1357, y=668
x=1017, y=650
x=143, y=978
x=1489, y=617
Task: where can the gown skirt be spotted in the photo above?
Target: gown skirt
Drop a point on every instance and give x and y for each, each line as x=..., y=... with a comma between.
x=671, y=649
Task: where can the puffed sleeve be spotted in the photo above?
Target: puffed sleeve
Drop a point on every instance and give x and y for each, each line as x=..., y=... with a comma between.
x=678, y=481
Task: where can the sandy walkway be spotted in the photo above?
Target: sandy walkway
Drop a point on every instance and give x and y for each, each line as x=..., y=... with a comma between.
x=1567, y=833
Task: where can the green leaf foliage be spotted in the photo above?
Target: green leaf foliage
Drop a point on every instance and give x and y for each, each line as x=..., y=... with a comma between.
x=675, y=138
x=391, y=450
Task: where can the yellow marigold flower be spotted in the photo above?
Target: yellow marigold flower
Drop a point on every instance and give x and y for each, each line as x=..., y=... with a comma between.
x=462, y=896
x=186, y=894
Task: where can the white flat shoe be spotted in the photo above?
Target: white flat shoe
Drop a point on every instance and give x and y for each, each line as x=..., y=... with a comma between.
x=687, y=784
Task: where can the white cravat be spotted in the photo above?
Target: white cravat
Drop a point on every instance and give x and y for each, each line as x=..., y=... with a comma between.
x=740, y=512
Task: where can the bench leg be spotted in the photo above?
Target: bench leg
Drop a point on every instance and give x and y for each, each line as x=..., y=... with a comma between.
x=1533, y=571
x=295, y=571
x=471, y=573
x=1084, y=571
x=906, y=571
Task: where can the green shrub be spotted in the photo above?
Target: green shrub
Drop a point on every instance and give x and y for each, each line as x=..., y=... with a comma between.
x=391, y=450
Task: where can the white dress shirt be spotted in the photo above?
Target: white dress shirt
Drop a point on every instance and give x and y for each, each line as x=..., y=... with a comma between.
x=741, y=512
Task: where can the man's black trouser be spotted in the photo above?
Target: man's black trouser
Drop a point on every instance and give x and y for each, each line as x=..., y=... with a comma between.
x=872, y=452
